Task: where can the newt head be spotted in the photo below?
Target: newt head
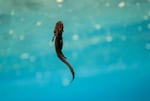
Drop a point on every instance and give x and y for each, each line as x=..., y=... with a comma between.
x=59, y=28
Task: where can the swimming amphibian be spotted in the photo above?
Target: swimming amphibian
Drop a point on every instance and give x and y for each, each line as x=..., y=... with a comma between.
x=59, y=45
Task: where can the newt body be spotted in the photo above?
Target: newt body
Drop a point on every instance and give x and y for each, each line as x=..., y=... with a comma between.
x=59, y=45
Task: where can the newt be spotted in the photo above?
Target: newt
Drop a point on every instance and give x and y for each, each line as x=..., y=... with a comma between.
x=58, y=31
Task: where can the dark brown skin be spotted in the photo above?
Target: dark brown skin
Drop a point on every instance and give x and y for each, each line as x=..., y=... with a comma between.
x=59, y=45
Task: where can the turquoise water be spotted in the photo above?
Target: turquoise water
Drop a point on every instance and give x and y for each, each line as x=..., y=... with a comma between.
x=106, y=41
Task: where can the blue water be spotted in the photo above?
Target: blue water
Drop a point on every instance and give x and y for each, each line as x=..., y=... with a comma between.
x=106, y=41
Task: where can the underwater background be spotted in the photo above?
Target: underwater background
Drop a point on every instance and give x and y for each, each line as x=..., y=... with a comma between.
x=106, y=41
